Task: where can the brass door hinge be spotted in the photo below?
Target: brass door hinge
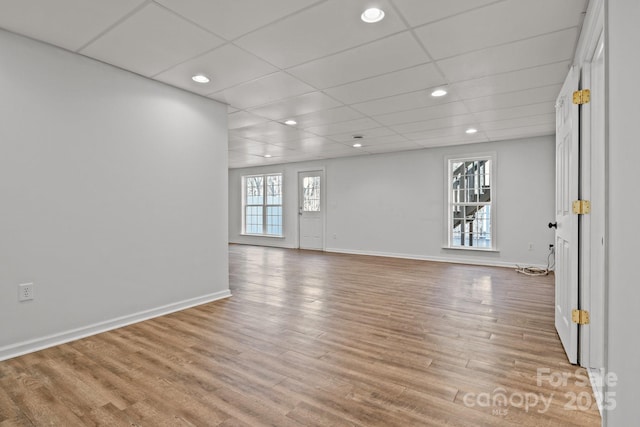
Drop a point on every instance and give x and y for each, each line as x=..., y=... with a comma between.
x=581, y=96
x=581, y=317
x=581, y=207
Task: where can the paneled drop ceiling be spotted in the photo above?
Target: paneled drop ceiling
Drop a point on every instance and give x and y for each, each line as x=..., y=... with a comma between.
x=316, y=62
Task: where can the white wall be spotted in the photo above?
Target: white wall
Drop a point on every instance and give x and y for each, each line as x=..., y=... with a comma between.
x=393, y=204
x=623, y=346
x=113, y=194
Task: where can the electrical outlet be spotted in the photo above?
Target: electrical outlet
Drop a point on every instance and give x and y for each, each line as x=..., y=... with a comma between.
x=25, y=292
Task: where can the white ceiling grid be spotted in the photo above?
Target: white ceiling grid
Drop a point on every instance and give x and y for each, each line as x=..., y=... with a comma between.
x=316, y=62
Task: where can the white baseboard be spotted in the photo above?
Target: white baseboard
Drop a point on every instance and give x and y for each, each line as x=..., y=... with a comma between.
x=266, y=244
x=455, y=260
x=24, y=347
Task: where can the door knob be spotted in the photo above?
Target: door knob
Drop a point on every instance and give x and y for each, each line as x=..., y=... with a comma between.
x=553, y=225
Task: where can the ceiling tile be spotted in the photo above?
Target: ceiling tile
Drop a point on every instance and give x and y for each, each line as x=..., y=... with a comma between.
x=327, y=28
x=262, y=91
x=532, y=52
x=379, y=57
x=231, y=19
x=226, y=66
x=345, y=152
x=381, y=140
x=456, y=132
x=418, y=12
x=379, y=132
x=66, y=23
x=515, y=112
x=403, y=102
x=515, y=99
x=315, y=145
x=389, y=148
x=422, y=114
x=449, y=140
x=242, y=119
x=344, y=127
x=444, y=122
x=523, y=132
x=513, y=81
x=409, y=80
x=542, y=119
x=499, y=23
x=256, y=148
x=333, y=115
x=299, y=105
x=150, y=41
x=270, y=132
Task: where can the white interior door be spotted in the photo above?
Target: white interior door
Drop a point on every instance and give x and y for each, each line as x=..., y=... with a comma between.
x=567, y=180
x=311, y=209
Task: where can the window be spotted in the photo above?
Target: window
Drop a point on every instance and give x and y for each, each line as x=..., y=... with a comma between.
x=311, y=194
x=471, y=202
x=263, y=204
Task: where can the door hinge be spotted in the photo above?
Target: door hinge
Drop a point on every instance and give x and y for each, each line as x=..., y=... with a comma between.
x=581, y=317
x=581, y=207
x=581, y=96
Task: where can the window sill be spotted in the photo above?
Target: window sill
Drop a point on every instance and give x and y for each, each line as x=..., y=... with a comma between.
x=262, y=235
x=469, y=248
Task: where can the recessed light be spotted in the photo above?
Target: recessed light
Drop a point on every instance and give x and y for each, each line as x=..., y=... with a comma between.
x=471, y=130
x=200, y=78
x=290, y=122
x=267, y=156
x=372, y=15
x=357, y=145
x=439, y=92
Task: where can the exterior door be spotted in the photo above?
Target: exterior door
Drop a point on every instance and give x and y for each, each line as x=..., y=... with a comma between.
x=311, y=210
x=566, y=243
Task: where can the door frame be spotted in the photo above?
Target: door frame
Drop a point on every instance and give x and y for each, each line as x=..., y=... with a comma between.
x=323, y=203
x=592, y=256
x=592, y=187
x=593, y=263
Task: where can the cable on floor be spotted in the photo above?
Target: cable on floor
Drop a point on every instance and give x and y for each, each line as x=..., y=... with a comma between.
x=536, y=271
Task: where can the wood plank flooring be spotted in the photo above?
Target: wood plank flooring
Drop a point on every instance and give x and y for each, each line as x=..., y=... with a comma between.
x=315, y=339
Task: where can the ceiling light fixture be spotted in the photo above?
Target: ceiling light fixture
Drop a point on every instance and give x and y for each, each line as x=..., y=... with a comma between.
x=372, y=15
x=200, y=78
x=291, y=122
x=471, y=130
x=357, y=145
x=267, y=156
x=439, y=92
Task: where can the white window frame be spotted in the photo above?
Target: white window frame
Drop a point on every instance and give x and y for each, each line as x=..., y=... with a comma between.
x=264, y=205
x=448, y=214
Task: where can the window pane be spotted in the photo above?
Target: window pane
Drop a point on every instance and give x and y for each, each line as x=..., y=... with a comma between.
x=274, y=189
x=471, y=226
x=274, y=220
x=254, y=186
x=311, y=194
x=253, y=219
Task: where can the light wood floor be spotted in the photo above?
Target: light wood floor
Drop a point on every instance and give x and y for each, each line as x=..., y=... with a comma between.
x=317, y=339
